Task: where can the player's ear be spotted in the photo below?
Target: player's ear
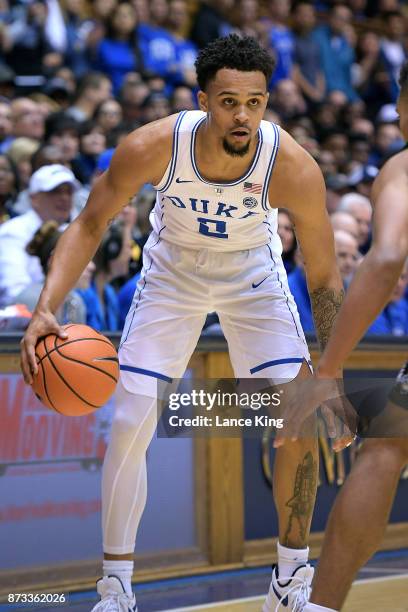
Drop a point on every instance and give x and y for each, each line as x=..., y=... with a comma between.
x=203, y=101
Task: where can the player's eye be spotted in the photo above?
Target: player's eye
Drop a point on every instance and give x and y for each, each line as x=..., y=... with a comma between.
x=254, y=102
x=228, y=101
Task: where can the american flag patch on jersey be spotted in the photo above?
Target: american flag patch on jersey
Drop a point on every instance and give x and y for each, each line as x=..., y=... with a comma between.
x=253, y=187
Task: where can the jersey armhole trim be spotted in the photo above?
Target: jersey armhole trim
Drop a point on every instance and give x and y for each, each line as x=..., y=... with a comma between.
x=269, y=170
x=174, y=153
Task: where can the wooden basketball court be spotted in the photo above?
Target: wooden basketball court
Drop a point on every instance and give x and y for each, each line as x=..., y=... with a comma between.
x=385, y=594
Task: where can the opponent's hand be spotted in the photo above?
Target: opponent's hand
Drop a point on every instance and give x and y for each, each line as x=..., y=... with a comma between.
x=41, y=324
x=301, y=399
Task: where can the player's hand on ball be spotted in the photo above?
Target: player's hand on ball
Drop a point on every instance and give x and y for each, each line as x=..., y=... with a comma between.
x=42, y=323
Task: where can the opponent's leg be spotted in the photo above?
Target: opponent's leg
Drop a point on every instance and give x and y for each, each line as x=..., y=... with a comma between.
x=358, y=519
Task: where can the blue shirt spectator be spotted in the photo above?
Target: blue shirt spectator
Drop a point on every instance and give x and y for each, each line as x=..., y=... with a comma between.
x=283, y=45
x=393, y=320
x=101, y=318
x=298, y=288
x=125, y=297
x=337, y=53
x=118, y=53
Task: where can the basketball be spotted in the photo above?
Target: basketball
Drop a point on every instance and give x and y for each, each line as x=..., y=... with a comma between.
x=78, y=374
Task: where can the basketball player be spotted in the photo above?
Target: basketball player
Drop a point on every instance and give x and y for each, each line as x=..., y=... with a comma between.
x=220, y=173
x=360, y=514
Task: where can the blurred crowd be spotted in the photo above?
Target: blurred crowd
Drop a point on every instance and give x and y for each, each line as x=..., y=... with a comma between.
x=77, y=75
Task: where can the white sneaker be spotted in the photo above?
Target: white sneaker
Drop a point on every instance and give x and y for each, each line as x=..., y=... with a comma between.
x=113, y=596
x=289, y=593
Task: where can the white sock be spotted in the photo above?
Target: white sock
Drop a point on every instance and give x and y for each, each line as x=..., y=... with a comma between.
x=290, y=559
x=311, y=607
x=122, y=569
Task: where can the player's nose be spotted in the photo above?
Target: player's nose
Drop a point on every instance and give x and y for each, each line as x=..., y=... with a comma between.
x=241, y=115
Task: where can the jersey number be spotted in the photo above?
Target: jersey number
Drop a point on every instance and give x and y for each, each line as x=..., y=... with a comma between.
x=212, y=228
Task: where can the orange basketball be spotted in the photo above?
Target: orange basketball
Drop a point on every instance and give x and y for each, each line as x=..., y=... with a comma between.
x=78, y=374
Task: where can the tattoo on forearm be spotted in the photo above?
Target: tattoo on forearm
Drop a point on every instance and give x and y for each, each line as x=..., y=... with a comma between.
x=301, y=503
x=326, y=303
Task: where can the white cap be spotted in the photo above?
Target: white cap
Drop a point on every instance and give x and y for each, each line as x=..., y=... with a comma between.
x=387, y=114
x=48, y=178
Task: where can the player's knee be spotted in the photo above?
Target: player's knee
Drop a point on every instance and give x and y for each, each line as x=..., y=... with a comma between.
x=388, y=451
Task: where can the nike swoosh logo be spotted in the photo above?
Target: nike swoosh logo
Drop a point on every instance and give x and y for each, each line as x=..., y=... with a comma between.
x=179, y=180
x=284, y=601
x=254, y=286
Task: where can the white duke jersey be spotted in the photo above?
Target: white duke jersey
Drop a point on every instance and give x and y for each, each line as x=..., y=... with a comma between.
x=194, y=213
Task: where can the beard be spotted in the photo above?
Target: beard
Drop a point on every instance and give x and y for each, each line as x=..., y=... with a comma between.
x=235, y=151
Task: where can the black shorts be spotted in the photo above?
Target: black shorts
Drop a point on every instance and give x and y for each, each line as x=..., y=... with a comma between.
x=399, y=393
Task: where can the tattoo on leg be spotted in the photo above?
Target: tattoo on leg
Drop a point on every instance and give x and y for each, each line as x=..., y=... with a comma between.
x=302, y=501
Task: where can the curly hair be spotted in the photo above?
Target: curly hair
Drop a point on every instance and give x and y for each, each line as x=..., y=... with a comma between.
x=236, y=52
x=403, y=77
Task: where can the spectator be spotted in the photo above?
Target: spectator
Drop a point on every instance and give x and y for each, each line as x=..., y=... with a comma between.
x=387, y=141
x=41, y=246
x=182, y=99
x=308, y=68
x=359, y=149
x=31, y=49
x=92, y=144
x=48, y=155
x=111, y=261
x=337, y=142
x=281, y=40
x=186, y=51
x=337, y=53
x=394, y=318
x=362, y=179
x=118, y=53
x=132, y=94
x=20, y=153
x=58, y=91
x=360, y=208
x=369, y=74
x=77, y=55
x=327, y=163
x=211, y=21
x=248, y=22
x=27, y=119
x=287, y=235
x=63, y=131
x=155, y=106
x=5, y=126
x=108, y=115
x=347, y=255
x=393, y=50
x=344, y=222
x=9, y=187
x=298, y=287
x=51, y=189
x=287, y=100
x=93, y=89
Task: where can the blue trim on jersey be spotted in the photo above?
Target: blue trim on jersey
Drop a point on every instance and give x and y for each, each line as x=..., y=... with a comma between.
x=242, y=178
x=140, y=291
x=127, y=368
x=174, y=152
x=271, y=164
x=275, y=362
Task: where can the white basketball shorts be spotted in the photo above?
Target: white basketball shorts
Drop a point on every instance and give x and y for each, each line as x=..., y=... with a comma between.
x=179, y=287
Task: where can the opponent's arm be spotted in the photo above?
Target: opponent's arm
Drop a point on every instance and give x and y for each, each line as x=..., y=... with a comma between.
x=141, y=157
x=379, y=271
x=302, y=192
